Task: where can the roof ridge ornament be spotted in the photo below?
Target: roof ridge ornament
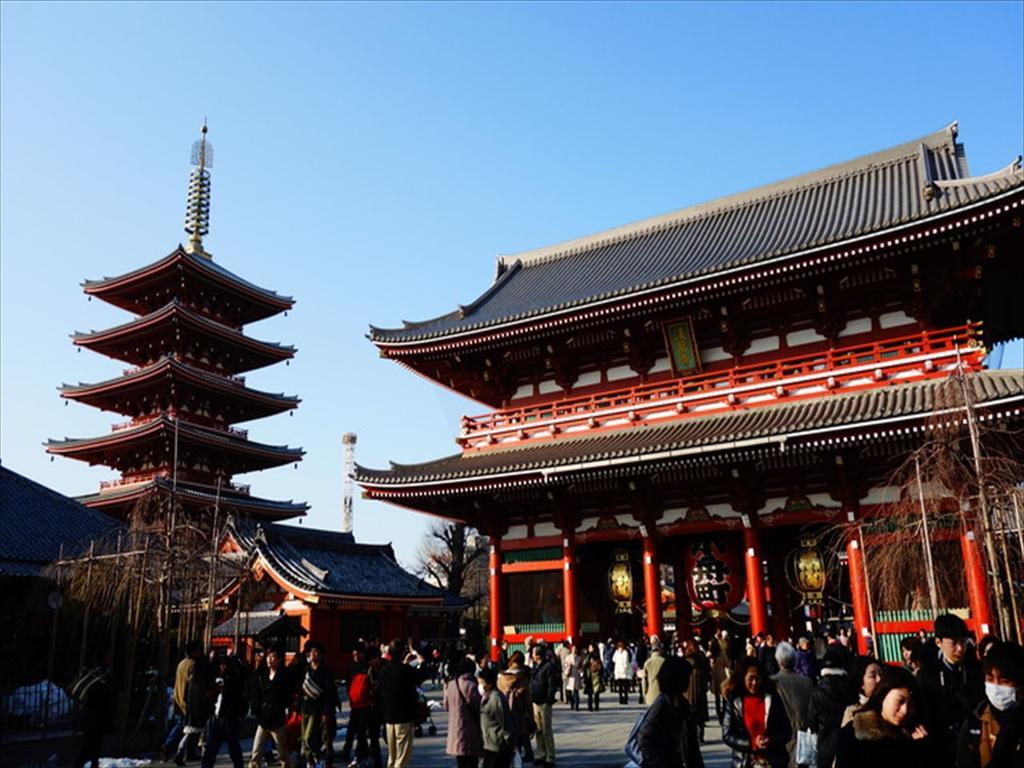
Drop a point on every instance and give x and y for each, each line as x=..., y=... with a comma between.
x=197, y=206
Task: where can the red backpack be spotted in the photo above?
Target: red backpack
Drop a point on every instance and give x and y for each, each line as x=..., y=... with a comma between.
x=359, y=691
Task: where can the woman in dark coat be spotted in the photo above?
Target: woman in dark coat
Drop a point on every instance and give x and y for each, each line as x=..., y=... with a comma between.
x=462, y=700
x=884, y=732
x=697, y=691
x=668, y=734
x=829, y=700
x=755, y=725
x=272, y=694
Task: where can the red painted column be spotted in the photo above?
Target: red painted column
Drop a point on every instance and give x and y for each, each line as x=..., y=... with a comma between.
x=572, y=627
x=652, y=586
x=977, y=584
x=497, y=607
x=858, y=591
x=755, y=581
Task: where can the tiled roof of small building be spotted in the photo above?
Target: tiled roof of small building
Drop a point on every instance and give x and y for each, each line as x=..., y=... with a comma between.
x=256, y=623
x=332, y=563
x=901, y=185
x=35, y=521
x=709, y=433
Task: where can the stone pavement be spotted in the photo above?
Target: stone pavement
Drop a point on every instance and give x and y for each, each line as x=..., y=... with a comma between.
x=582, y=739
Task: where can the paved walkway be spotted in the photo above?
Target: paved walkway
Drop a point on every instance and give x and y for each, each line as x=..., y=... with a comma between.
x=582, y=739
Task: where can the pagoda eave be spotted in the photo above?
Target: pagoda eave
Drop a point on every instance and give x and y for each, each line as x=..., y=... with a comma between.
x=163, y=277
x=147, y=338
x=121, y=499
x=155, y=439
x=136, y=392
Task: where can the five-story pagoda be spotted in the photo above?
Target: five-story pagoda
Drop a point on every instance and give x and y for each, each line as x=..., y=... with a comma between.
x=184, y=392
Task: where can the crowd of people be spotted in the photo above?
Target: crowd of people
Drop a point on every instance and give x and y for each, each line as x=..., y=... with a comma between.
x=814, y=703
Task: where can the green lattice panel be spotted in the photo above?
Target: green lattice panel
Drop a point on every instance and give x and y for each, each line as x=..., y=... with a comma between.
x=537, y=555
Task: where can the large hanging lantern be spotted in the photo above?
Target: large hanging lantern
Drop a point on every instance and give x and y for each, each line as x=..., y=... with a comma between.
x=620, y=581
x=714, y=569
x=807, y=571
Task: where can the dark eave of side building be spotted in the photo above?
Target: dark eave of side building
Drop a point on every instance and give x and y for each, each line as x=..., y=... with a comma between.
x=781, y=426
x=333, y=564
x=905, y=185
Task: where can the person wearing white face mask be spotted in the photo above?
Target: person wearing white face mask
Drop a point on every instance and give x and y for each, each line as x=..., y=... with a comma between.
x=993, y=736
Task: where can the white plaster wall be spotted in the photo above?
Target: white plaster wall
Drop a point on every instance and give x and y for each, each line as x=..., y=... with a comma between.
x=853, y=327
x=620, y=372
x=894, y=319
x=588, y=379
x=713, y=355
x=806, y=336
x=515, y=532
x=764, y=344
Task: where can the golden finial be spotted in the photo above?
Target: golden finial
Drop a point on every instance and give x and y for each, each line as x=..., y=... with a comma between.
x=197, y=208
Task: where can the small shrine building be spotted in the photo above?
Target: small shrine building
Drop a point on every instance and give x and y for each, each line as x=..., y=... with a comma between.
x=702, y=389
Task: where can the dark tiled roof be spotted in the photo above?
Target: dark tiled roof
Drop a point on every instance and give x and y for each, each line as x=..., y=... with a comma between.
x=35, y=521
x=897, y=186
x=257, y=623
x=198, y=495
x=713, y=432
x=332, y=563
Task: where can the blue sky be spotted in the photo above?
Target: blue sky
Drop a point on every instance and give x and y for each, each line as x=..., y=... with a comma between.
x=372, y=159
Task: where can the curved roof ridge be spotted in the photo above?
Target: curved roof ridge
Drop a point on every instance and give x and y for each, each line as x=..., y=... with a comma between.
x=943, y=137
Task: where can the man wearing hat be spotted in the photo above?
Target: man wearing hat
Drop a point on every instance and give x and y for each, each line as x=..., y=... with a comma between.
x=951, y=686
x=319, y=707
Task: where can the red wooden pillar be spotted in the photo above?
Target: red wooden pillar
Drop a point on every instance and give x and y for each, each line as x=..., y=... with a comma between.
x=496, y=599
x=755, y=581
x=652, y=586
x=858, y=590
x=977, y=584
x=684, y=606
x=569, y=588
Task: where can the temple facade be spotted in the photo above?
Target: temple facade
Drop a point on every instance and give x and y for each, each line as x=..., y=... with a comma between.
x=701, y=399
x=184, y=391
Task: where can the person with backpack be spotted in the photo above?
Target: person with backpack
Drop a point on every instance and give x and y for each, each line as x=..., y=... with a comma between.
x=319, y=707
x=359, y=708
x=462, y=700
x=828, y=701
x=193, y=650
x=666, y=735
x=271, y=696
x=94, y=693
x=514, y=682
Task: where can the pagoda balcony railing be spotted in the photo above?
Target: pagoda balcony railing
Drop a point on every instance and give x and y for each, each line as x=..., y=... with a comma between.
x=146, y=477
x=923, y=354
x=242, y=434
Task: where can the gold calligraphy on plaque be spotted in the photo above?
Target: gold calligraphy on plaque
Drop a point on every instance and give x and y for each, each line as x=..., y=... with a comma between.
x=682, y=349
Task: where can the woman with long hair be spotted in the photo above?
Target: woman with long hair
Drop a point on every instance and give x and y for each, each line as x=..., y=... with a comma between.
x=668, y=736
x=865, y=674
x=755, y=725
x=884, y=732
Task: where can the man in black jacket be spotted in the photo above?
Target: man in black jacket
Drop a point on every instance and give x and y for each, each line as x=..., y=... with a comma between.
x=952, y=686
x=225, y=688
x=544, y=685
x=271, y=697
x=398, y=700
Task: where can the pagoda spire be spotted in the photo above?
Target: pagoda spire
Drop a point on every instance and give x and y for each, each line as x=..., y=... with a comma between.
x=197, y=207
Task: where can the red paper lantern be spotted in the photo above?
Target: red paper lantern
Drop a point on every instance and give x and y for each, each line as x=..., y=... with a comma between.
x=714, y=572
